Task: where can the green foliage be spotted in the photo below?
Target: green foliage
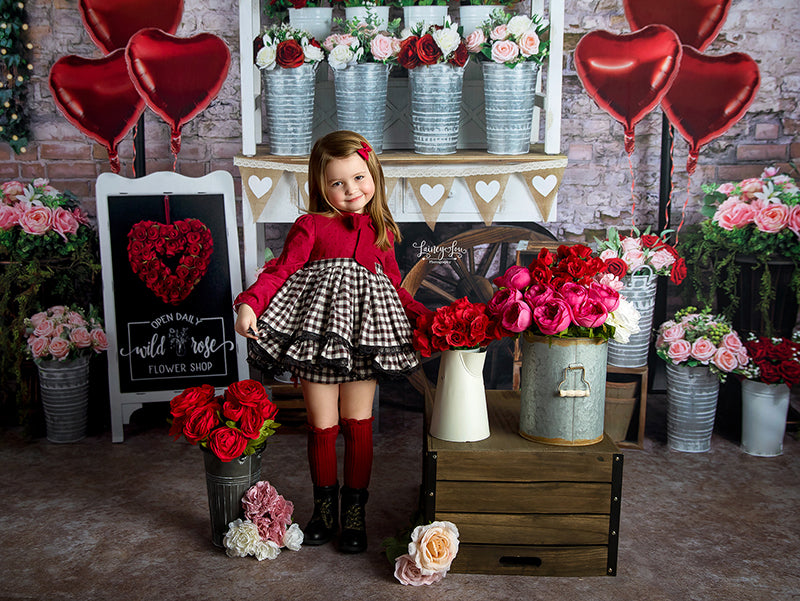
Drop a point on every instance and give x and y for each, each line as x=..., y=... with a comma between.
x=15, y=72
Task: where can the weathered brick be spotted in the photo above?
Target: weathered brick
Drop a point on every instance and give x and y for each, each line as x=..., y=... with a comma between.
x=736, y=173
x=71, y=169
x=767, y=131
x=65, y=150
x=794, y=150
x=579, y=152
x=762, y=152
x=791, y=127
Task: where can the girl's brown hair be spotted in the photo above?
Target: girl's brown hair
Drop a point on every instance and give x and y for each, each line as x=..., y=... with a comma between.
x=340, y=145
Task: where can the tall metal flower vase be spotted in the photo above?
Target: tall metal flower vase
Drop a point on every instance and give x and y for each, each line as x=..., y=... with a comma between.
x=764, y=410
x=436, y=107
x=508, y=103
x=459, y=406
x=361, y=100
x=640, y=290
x=64, y=387
x=290, y=109
x=226, y=482
x=692, y=394
x=563, y=390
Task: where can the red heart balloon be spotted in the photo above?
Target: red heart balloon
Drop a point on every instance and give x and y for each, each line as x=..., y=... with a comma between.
x=98, y=97
x=697, y=22
x=627, y=75
x=710, y=94
x=111, y=23
x=177, y=77
x=188, y=240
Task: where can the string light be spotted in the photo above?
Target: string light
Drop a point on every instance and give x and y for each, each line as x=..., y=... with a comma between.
x=14, y=64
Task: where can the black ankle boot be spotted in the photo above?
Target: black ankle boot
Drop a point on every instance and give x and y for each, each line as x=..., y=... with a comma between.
x=324, y=522
x=354, y=531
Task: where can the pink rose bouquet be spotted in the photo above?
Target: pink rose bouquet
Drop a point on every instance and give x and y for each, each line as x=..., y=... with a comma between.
x=510, y=39
x=267, y=527
x=626, y=255
x=234, y=424
x=699, y=338
x=362, y=42
x=568, y=293
x=63, y=333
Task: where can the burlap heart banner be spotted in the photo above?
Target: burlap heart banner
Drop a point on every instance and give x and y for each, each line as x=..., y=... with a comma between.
x=431, y=194
x=544, y=187
x=302, y=187
x=487, y=192
x=259, y=184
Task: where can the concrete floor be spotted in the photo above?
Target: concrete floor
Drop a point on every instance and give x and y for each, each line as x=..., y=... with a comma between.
x=96, y=520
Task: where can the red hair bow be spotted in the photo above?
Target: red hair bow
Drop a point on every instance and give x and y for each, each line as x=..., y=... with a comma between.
x=364, y=150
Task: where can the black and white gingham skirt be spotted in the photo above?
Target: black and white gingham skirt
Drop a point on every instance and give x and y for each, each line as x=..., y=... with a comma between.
x=334, y=321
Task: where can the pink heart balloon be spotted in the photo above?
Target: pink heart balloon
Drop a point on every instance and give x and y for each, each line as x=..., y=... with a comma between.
x=709, y=95
x=697, y=22
x=177, y=77
x=111, y=23
x=627, y=75
x=98, y=97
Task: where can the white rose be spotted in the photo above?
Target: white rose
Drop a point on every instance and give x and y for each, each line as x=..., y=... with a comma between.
x=266, y=550
x=626, y=321
x=313, y=54
x=518, y=25
x=405, y=33
x=265, y=59
x=293, y=538
x=340, y=57
x=447, y=39
x=241, y=539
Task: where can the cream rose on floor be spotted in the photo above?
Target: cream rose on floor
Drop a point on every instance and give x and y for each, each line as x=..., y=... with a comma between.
x=434, y=547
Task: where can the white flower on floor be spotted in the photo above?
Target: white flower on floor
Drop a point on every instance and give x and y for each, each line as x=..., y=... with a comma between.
x=241, y=539
x=293, y=538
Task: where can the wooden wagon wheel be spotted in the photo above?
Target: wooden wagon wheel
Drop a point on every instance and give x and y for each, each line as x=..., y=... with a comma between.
x=476, y=258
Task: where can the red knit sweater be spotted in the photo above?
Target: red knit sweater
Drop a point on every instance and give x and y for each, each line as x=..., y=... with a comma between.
x=315, y=237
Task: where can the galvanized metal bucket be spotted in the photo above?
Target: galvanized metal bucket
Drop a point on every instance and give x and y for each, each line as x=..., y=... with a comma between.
x=764, y=409
x=361, y=100
x=436, y=107
x=290, y=109
x=563, y=390
x=692, y=394
x=640, y=290
x=226, y=482
x=459, y=407
x=508, y=103
x=64, y=387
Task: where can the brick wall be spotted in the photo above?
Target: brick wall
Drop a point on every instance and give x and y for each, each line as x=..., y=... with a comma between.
x=596, y=190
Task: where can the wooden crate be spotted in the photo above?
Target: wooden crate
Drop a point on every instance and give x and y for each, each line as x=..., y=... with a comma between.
x=523, y=507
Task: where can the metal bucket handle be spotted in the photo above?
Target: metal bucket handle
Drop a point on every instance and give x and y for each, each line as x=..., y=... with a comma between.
x=572, y=392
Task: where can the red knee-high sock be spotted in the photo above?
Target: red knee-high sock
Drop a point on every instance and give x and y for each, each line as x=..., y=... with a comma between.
x=357, y=451
x=322, y=455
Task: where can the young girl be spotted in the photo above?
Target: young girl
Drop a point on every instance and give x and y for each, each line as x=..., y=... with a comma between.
x=331, y=310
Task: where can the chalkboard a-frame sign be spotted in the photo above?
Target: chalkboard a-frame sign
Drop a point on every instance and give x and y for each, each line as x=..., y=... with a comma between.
x=167, y=329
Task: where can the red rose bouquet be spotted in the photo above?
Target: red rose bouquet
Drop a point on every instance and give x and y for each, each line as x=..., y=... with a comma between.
x=433, y=44
x=460, y=325
x=628, y=254
x=772, y=360
x=234, y=424
x=566, y=294
x=286, y=47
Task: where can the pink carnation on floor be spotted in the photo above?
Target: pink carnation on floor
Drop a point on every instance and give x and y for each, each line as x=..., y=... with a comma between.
x=268, y=510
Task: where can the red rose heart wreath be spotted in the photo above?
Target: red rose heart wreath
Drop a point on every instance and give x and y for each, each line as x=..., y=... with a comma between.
x=149, y=242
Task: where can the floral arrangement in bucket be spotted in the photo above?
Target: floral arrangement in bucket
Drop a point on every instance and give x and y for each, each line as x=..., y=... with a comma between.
x=567, y=293
x=426, y=45
x=756, y=217
x=772, y=360
x=696, y=338
x=459, y=326
x=285, y=46
x=423, y=554
x=626, y=255
x=229, y=426
x=267, y=527
x=510, y=39
x=362, y=42
x=63, y=333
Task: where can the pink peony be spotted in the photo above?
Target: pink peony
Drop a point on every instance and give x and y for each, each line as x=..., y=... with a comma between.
x=590, y=314
x=503, y=299
x=504, y=51
x=529, y=43
x=475, y=40
x=606, y=295
x=679, y=351
x=725, y=359
x=574, y=294
x=516, y=277
x=59, y=348
x=538, y=294
x=772, y=219
x=553, y=316
x=36, y=220
x=407, y=572
x=517, y=317
x=703, y=350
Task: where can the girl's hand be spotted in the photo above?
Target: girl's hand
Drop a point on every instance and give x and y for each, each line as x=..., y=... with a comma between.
x=246, y=322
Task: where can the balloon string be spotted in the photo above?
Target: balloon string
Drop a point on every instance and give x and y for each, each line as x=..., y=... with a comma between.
x=135, y=131
x=633, y=196
x=683, y=210
x=671, y=182
x=174, y=161
x=166, y=210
